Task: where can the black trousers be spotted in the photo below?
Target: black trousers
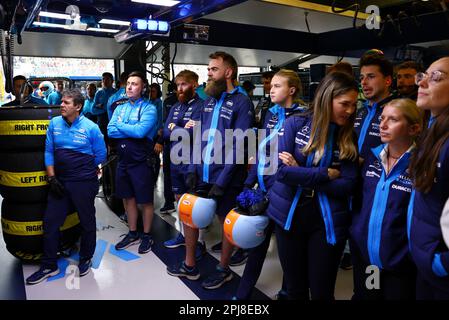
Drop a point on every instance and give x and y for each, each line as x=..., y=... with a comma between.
x=426, y=291
x=309, y=263
x=253, y=266
x=168, y=192
x=398, y=285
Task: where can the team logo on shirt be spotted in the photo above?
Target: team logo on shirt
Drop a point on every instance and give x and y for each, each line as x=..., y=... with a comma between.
x=229, y=103
x=305, y=129
x=376, y=164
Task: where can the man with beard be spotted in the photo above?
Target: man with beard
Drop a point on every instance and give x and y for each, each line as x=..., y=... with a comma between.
x=227, y=107
x=180, y=118
x=170, y=100
x=376, y=77
x=405, y=77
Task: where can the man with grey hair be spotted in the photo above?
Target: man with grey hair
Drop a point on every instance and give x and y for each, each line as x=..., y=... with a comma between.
x=73, y=150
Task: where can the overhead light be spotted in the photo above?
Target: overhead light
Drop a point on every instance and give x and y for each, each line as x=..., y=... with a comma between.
x=49, y=25
x=54, y=15
x=114, y=22
x=165, y=3
x=103, y=30
x=151, y=26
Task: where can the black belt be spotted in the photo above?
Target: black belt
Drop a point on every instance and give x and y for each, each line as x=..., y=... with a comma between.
x=308, y=193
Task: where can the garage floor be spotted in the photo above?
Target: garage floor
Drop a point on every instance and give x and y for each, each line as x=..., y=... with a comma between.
x=128, y=275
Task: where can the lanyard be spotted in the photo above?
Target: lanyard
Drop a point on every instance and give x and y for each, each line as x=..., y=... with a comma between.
x=262, y=152
x=325, y=161
x=211, y=137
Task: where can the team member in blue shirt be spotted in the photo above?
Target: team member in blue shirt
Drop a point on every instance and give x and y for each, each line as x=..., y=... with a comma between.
x=118, y=97
x=376, y=77
x=133, y=125
x=219, y=172
x=309, y=199
x=179, y=121
x=284, y=93
x=99, y=106
x=73, y=150
x=55, y=97
x=379, y=228
x=429, y=169
x=88, y=103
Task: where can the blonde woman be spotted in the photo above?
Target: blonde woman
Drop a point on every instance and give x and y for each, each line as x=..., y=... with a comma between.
x=285, y=94
x=379, y=230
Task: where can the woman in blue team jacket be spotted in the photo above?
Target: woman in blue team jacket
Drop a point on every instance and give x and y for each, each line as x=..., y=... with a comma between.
x=429, y=169
x=285, y=92
x=378, y=230
x=309, y=199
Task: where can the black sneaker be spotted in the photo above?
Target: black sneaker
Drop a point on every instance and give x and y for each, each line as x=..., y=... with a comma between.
x=145, y=244
x=218, y=278
x=346, y=262
x=42, y=274
x=84, y=267
x=239, y=257
x=127, y=241
x=167, y=208
x=181, y=270
x=216, y=248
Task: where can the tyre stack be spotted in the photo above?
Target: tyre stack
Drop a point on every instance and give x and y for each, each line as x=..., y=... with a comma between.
x=23, y=182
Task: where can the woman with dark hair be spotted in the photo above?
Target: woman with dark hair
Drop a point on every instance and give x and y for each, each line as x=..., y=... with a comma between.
x=309, y=201
x=429, y=169
x=378, y=230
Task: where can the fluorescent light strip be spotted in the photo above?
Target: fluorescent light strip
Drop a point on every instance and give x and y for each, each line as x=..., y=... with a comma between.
x=165, y=3
x=49, y=25
x=115, y=22
x=103, y=30
x=54, y=15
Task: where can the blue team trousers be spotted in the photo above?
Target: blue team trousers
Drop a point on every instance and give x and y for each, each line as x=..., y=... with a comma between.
x=80, y=197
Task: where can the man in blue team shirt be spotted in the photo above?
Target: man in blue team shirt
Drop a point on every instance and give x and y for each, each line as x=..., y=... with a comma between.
x=118, y=97
x=88, y=103
x=133, y=126
x=73, y=150
x=101, y=100
x=55, y=97
x=227, y=108
x=376, y=77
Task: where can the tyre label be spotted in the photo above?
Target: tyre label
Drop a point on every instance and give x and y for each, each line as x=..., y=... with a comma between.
x=23, y=179
x=23, y=127
x=34, y=228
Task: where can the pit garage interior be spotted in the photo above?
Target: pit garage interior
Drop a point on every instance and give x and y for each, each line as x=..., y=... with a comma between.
x=259, y=34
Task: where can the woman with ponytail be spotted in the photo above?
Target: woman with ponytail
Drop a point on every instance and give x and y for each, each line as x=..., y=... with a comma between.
x=285, y=94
